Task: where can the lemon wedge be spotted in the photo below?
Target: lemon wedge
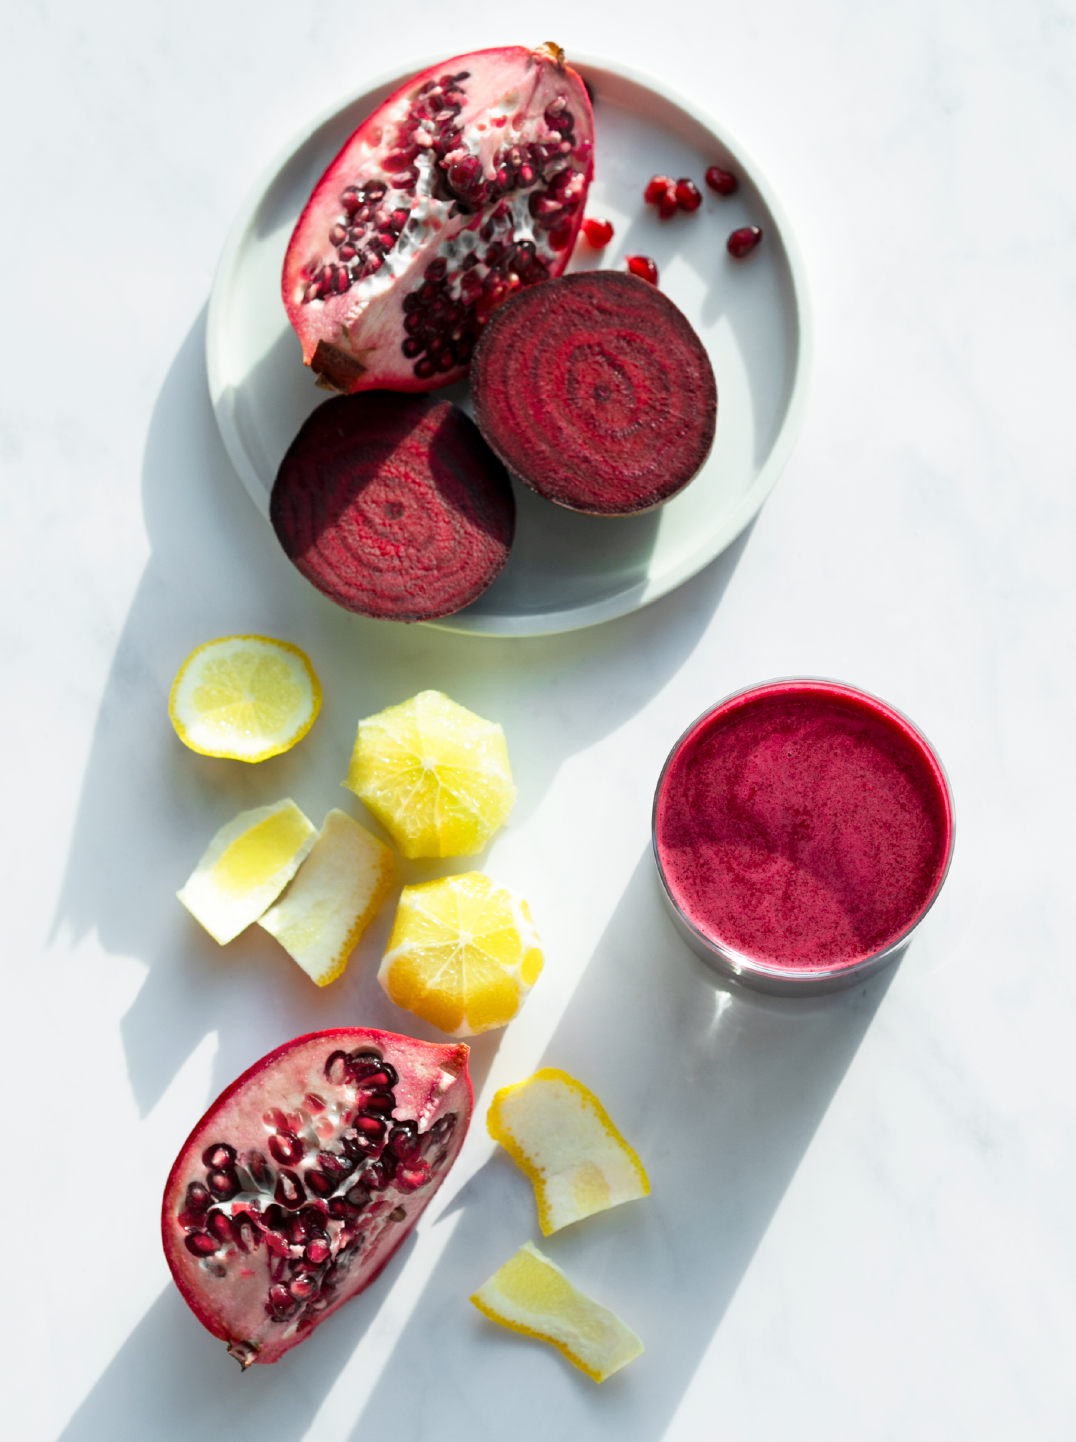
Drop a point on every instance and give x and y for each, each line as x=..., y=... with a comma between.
x=463, y=953
x=332, y=899
x=434, y=774
x=244, y=697
x=530, y=1294
x=246, y=866
x=560, y=1134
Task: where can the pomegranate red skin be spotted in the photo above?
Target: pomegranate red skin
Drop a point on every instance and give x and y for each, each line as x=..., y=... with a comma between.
x=433, y=1085
x=492, y=191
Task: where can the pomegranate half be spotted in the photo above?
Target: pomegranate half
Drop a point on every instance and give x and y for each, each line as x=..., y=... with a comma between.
x=303, y=1178
x=466, y=184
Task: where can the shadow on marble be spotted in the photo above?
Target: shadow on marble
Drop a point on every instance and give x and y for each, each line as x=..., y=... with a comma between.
x=723, y=1090
x=148, y=806
x=172, y=1380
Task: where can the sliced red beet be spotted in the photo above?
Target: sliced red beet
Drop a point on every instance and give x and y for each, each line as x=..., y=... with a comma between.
x=394, y=506
x=595, y=391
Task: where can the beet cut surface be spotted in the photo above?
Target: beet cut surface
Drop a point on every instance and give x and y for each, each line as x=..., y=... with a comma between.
x=393, y=506
x=595, y=391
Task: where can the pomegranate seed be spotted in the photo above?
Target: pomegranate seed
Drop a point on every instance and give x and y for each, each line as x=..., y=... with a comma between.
x=411, y=1176
x=742, y=242
x=280, y=1299
x=286, y=1148
x=658, y=188
x=260, y=1170
x=319, y=1183
x=722, y=181
x=201, y=1244
x=290, y=1191
x=371, y=1126
x=336, y=1067
x=598, y=232
x=667, y=205
x=404, y=1140
x=218, y=1155
x=643, y=267
x=223, y=1183
x=380, y=1103
x=398, y=1214
x=688, y=196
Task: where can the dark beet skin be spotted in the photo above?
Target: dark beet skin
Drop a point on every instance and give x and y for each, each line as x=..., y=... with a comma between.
x=393, y=506
x=595, y=391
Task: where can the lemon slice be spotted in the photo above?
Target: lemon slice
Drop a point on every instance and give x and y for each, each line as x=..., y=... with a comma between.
x=561, y=1135
x=246, y=866
x=463, y=953
x=434, y=774
x=244, y=697
x=332, y=899
x=530, y=1294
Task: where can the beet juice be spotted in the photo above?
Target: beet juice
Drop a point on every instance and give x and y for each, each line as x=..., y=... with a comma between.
x=801, y=830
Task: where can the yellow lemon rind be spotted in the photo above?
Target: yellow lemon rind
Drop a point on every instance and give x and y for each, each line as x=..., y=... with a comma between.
x=525, y=1331
x=512, y=1324
x=201, y=894
x=292, y=739
x=340, y=882
x=500, y=1133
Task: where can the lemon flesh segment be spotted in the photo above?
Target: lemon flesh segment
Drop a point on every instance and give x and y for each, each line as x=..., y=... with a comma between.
x=463, y=953
x=530, y=1294
x=561, y=1135
x=332, y=899
x=434, y=774
x=246, y=866
x=244, y=697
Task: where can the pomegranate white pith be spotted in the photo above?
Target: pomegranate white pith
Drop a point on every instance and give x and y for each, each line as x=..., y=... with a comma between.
x=303, y=1178
x=465, y=185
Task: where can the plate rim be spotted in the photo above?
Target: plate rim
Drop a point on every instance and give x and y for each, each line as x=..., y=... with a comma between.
x=633, y=598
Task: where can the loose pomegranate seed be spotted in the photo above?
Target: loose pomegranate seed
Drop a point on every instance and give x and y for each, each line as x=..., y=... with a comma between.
x=688, y=196
x=722, y=181
x=742, y=242
x=655, y=192
x=598, y=232
x=643, y=267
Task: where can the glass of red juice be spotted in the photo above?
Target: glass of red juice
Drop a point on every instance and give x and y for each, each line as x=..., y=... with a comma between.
x=802, y=830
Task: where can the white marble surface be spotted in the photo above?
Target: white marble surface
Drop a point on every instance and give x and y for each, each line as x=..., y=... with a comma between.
x=861, y=1224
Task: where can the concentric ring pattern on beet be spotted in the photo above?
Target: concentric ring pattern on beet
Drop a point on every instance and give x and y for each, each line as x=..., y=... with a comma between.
x=393, y=506
x=595, y=391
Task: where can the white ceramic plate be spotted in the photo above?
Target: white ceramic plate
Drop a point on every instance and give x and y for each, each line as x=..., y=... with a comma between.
x=566, y=570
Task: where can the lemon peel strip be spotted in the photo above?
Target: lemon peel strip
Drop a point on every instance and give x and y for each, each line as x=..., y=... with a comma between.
x=565, y=1193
